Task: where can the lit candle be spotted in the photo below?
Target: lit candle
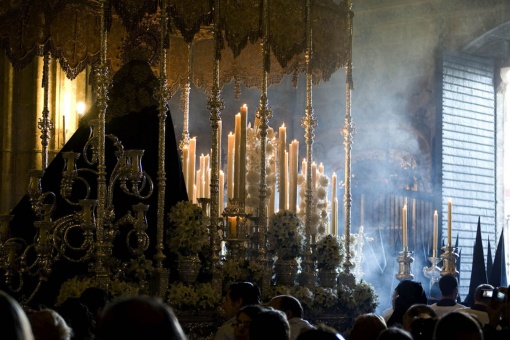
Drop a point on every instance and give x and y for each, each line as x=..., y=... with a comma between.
x=303, y=167
x=321, y=168
x=434, y=242
x=237, y=165
x=199, y=184
x=230, y=166
x=281, y=162
x=286, y=181
x=293, y=166
x=449, y=223
x=404, y=227
x=242, y=163
x=191, y=169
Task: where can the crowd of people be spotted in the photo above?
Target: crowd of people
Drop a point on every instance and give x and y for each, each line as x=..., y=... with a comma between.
x=412, y=316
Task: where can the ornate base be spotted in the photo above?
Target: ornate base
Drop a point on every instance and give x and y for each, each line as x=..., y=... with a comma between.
x=286, y=272
x=189, y=267
x=327, y=278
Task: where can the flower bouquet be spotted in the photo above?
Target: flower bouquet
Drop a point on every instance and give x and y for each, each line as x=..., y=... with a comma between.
x=286, y=242
x=328, y=253
x=186, y=234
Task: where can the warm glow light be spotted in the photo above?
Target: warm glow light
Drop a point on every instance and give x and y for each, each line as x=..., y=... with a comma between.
x=80, y=108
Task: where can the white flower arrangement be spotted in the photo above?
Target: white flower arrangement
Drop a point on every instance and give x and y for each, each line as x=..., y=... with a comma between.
x=242, y=270
x=285, y=235
x=253, y=153
x=325, y=297
x=73, y=288
x=320, y=205
x=329, y=252
x=201, y=296
x=186, y=235
x=139, y=269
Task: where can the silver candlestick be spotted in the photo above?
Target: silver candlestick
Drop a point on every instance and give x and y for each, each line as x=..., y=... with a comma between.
x=433, y=272
x=449, y=261
x=404, y=265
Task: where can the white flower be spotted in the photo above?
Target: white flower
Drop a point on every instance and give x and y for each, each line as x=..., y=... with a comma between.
x=186, y=234
x=285, y=235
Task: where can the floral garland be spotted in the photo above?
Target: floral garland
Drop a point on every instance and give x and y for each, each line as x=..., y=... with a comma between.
x=186, y=234
x=285, y=236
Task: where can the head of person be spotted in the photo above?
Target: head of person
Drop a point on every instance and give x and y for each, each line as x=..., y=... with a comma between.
x=15, y=324
x=479, y=297
x=367, y=327
x=417, y=311
x=243, y=320
x=287, y=304
x=95, y=299
x=321, y=332
x=408, y=294
x=78, y=317
x=139, y=317
x=270, y=324
x=458, y=326
x=449, y=286
x=240, y=294
x=47, y=324
x=394, y=333
x=423, y=329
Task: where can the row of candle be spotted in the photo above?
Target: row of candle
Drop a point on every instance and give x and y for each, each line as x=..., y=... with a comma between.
x=435, y=229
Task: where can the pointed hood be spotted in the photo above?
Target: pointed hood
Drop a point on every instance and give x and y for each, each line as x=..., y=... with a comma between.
x=489, y=258
x=498, y=273
x=478, y=272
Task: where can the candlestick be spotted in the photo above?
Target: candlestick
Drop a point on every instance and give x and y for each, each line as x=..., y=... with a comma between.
x=219, y=147
x=404, y=227
x=230, y=166
x=449, y=223
x=314, y=175
x=281, y=162
x=64, y=129
x=191, y=169
x=233, y=226
x=434, y=242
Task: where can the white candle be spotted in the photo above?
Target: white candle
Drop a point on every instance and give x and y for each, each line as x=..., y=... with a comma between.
x=449, y=223
x=199, y=184
x=321, y=168
x=222, y=193
x=191, y=169
x=404, y=227
x=185, y=158
x=281, y=162
x=293, y=166
x=303, y=167
x=230, y=166
x=242, y=163
x=207, y=183
x=286, y=182
x=434, y=240
x=237, y=165
x=334, y=208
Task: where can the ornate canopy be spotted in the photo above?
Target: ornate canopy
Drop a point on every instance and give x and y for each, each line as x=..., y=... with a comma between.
x=69, y=30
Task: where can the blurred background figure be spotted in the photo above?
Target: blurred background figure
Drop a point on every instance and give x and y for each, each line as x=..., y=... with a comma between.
x=243, y=320
x=270, y=324
x=408, y=294
x=367, y=327
x=321, y=332
x=139, y=317
x=294, y=312
x=394, y=333
x=458, y=326
x=47, y=324
x=15, y=324
x=78, y=317
x=449, y=287
x=479, y=308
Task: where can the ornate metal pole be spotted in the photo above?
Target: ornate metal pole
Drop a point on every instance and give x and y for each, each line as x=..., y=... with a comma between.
x=215, y=105
x=348, y=133
x=264, y=114
x=45, y=123
x=309, y=122
x=163, y=95
x=102, y=98
x=185, y=104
